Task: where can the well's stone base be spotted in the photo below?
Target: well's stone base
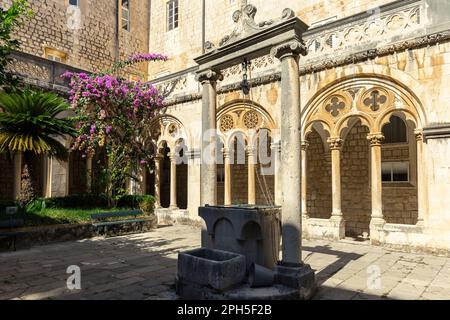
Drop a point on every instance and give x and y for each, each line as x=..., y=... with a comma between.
x=301, y=278
x=191, y=291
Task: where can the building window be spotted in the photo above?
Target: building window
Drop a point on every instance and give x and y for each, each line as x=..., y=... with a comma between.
x=55, y=55
x=172, y=15
x=395, y=131
x=126, y=15
x=395, y=171
x=75, y=3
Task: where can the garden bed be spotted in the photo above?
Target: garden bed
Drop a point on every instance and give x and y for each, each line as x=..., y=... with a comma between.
x=70, y=218
x=42, y=235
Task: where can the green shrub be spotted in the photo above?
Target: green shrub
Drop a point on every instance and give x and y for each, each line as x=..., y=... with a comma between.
x=81, y=201
x=147, y=204
x=133, y=201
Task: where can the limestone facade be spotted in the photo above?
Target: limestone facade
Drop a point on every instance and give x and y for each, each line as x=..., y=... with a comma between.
x=367, y=61
x=369, y=64
x=87, y=37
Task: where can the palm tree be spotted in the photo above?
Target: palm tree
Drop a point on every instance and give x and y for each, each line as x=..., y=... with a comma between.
x=31, y=122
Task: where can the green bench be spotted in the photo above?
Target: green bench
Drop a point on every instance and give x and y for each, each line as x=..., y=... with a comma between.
x=99, y=218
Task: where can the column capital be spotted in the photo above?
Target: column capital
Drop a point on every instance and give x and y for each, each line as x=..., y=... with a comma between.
x=194, y=154
x=173, y=156
x=288, y=49
x=275, y=146
x=226, y=153
x=159, y=157
x=335, y=143
x=304, y=145
x=251, y=151
x=419, y=134
x=375, y=139
x=209, y=76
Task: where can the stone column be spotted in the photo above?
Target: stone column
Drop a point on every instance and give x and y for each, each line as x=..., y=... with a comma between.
x=47, y=183
x=208, y=169
x=17, y=174
x=288, y=53
x=377, y=221
x=305, y=145
x=337, y=218
x=276, y=151
x=143, y=180
x=421, y=179
x=89, y=174
x=173, y=180
x=193, y=181
x=251, y=162
x=158, y=162
x=209, y=79
x=227, y=169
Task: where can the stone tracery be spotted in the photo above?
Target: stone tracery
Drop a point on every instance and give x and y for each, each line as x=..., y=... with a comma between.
x=371, y=101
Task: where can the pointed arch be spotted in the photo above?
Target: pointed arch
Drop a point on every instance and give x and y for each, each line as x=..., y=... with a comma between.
x=372, y=98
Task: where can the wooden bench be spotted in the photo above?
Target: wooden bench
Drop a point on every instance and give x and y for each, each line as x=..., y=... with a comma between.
x=98, y=217
x=11, y=224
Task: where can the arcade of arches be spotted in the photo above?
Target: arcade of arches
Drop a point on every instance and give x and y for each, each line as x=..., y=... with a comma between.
x=361, y=160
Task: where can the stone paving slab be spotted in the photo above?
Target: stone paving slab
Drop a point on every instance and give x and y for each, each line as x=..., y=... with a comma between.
x=143, y=266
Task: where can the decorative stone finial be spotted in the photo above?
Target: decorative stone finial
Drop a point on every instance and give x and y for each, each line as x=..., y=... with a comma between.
x=246, y=24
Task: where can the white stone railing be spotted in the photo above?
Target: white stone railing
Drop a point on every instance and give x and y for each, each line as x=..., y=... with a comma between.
x=375, y=26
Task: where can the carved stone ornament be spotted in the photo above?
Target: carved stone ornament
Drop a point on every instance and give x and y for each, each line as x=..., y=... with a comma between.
x=419, y=134
x=246, y=24
x=290, y=48
x=376, y=139
x=209, y=76
x=335, y=143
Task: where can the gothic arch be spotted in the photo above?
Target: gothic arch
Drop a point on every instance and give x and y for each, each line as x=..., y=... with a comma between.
x=370, y=98
x=168, y=129
x=242, y=116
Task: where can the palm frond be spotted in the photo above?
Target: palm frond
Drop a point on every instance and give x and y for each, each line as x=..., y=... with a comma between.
x=32, y=122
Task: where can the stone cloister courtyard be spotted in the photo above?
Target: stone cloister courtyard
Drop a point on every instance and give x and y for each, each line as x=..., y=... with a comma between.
x=143, y=267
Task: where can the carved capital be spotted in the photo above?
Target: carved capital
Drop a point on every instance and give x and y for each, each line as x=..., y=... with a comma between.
x=375, y=139
x=304, y=145
x=209, y=76
x=275, y=146
x=335, y=143
x=158, y=157
x=251, y=151
x=193, y=154
x=173, y=156
x=226, y=153
x=419, y=134
x=287, y=49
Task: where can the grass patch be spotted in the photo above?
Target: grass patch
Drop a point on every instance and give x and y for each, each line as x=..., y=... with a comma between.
x=51, y=216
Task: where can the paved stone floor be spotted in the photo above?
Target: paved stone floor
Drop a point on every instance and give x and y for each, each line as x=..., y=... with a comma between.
x=143, y=267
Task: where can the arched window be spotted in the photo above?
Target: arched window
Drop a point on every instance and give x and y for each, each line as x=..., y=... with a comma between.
x=395, y=131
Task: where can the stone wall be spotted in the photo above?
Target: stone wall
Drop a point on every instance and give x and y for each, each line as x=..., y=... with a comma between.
x=92, y=46
x=6, y=178
x=77, y=173
x=185, y=42
x=182, y=186
x=400, y=201
x=318, y=166
x=59, y=181
x=355, y=180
